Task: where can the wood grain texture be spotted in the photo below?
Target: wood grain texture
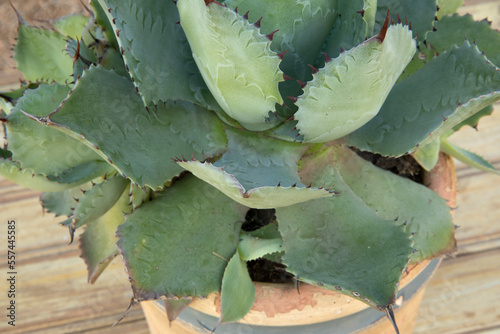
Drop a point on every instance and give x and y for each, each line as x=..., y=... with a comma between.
x=52, y=291
x=463, y=296
x=53, y=295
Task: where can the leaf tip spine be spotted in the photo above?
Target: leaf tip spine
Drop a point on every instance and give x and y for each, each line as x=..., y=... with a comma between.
x=258, y=23
x=381, y=35
x=327, y=57
x=314, y=69
x=271, y=35
x=282, y=54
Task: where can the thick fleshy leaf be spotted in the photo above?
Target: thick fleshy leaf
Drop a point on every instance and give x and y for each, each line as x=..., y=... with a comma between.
x=428, y=155
x=156, y=51
x=112, y=60
x=257, y=171
x=302, y=37
x=469, y=158
x=420, y=14
x=238, y=290
x=256, y=244
x=352, y=251
x=162, y=264
x=62, y=203
x=350, y=28
x=347, y=247
x=98, y=200
x=98, y=241
x=420, y=58
x=462, y=114
x=68, y=179
x=111, y=119
x=235, y=61
x=83, y=173
x=71, y=25
x=81, y=53
x=5, y=108
x=138, y=196
x=39, y=54
x=416, y=208
x=299, y=41
x=452, y=30
x=464, y=83
x=102, y=20
x=27, y=178
x=472, y=121
x=369, y=14
x=44, y=150
x=286, y=131
x=447, y=7
x=15, y=94
x=336, y=102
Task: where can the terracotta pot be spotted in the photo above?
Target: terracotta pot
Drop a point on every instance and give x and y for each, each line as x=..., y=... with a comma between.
x=280, y=309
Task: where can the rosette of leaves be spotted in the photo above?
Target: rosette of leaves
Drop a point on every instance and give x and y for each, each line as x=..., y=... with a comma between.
x=163, y=123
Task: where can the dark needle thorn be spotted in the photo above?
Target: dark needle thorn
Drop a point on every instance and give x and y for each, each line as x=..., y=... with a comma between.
x=390, y=314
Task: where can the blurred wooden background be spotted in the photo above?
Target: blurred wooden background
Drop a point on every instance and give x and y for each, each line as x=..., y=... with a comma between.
x=52, y=291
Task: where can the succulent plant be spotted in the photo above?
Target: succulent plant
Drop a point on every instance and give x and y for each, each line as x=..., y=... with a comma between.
x=163, y=123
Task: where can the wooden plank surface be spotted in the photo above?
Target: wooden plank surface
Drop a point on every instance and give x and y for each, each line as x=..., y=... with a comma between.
x=52, y=291
x=463, y=296
x=53, y=295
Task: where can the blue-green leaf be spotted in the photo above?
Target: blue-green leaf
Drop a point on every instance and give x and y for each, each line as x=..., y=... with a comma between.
x=448, y=7
x=44, y=150
x=98, y=241
x=39, y=54
x=98, y=200
x=111, y=119
x=452, y=30
x=235, y=61
x=350, y=28
x=428, y=155
x=257, y=171
x=301, y=37
x=71, y=25
x=159, y=262
x=238, y=290
x=253, y=245
x=339, y=247
x=469, y=158
x=337, y=101
x=420, y=14
x=464, y=82
x=156, y=51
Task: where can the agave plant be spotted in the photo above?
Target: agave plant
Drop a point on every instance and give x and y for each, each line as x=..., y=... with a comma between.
x=162, y=124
